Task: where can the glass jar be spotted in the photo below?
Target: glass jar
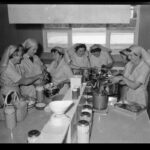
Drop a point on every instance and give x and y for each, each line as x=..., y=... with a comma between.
x=74, y=94
x=83, y=131
x=33, y=135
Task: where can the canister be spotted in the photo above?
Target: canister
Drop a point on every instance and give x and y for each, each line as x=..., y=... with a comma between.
x=89, y=101
x=39, y=93
x=10, y=117
x=86, y=116
x=74, y=94
x=87, y=108
x=33, y=135
x=83, y=131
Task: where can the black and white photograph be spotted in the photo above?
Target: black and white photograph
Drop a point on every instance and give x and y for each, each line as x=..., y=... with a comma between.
x=74, y=73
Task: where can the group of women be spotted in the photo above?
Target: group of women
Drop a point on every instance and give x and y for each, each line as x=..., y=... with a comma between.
x=22, y=70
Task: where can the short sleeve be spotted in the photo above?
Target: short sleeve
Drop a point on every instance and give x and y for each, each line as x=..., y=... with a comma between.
x=12, y=74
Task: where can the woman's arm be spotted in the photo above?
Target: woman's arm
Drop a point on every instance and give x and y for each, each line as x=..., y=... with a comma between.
x=131, y=84
x=29, y=80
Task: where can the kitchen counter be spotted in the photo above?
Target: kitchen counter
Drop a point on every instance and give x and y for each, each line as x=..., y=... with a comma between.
x=116, y=127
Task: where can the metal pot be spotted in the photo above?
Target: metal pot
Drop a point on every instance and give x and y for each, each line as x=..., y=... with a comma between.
x=100, y=101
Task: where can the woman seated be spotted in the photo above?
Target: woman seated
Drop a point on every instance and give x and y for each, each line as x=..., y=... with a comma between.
x=99, y=57
x=59, y=69
x=79, y=58
x=135, y=77
x=11, y=77
x=31, y=65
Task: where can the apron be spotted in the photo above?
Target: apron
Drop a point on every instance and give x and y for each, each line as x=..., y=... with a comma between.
x=30, y=69
x=141, y=74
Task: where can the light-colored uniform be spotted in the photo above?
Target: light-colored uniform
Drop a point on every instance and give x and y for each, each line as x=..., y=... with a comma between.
x=9, y=79
x=30, y=69
x=140, y=74
x=59, y=73
x=80, y=61
x=103, y=59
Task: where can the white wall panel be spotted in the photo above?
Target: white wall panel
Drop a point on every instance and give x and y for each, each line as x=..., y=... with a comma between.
x=68, y=14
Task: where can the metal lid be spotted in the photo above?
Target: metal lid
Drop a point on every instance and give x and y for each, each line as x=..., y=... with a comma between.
x=33, y=133
x=85, y=113
x=87, y=106
x=83, y=123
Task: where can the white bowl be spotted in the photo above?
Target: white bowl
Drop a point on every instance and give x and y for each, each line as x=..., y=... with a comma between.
x=59, y=107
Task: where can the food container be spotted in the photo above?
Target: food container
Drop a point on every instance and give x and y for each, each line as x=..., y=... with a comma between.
x=100, y=101
x=87, y=108
x=86, y=116
x=74, y=94
x=39, y=93
x=10, y=117
x=83, y=131
x=33, y=135
x=40, y=106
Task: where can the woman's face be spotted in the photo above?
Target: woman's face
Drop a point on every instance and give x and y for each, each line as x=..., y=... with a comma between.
x=80, y=52
x=55, y=55
x=134, y=57
x=18, y=57
x=33, y=49
x=96, y=54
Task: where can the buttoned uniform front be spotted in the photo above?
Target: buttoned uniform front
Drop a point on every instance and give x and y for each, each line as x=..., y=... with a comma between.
x=9, y=78
x=60, y=72
x=30, y=69
x=141, y=74
x=103, y=59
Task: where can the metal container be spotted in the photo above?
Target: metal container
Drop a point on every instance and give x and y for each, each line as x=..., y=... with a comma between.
x=83, y=128
x=86, y=116
x=100, y=101
x=87, y=108
x=40, y=93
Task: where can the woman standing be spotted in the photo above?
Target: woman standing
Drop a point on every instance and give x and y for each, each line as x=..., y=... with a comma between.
x=11, y=77
x=136, y=78
x=31, y=66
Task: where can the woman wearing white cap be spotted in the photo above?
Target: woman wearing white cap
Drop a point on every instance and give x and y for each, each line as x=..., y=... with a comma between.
x=100, y=57
x=31, y=65
x=11, y=77
x=136, y=78
x=79, y=57
x=59, y=69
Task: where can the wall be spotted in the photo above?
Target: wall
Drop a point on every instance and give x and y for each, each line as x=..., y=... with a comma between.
x=16, y=34
x=144, y=27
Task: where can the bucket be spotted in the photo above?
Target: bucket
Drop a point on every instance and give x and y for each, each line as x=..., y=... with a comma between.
x=100, y=101
x=10, y=117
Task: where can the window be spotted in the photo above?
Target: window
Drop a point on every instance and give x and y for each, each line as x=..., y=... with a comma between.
x=121, y=39
x=89, y=36
x=55, y=37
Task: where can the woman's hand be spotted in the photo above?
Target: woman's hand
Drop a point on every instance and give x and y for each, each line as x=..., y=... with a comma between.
x=116, y=79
